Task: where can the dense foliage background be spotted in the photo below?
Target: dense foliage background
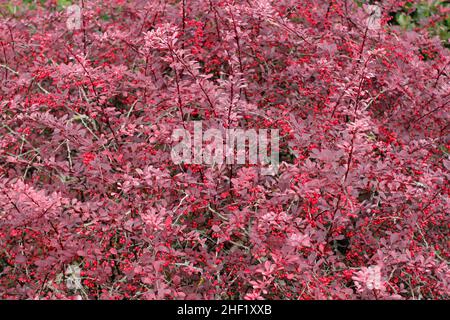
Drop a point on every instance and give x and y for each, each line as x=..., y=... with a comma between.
x=358, y=210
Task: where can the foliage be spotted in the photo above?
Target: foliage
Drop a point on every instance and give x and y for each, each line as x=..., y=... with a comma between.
x=432, y=15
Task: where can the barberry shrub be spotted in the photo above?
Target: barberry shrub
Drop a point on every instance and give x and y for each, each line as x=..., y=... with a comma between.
x=89, y=195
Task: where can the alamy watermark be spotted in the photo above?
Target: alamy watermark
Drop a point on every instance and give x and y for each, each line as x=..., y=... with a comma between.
x=227, y=146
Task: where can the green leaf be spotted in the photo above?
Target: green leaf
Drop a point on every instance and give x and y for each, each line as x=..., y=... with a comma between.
x=11, y=8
